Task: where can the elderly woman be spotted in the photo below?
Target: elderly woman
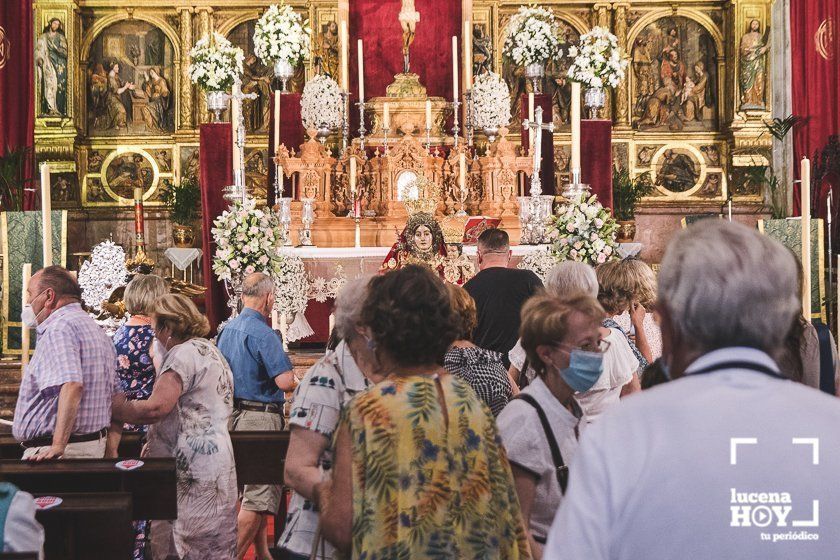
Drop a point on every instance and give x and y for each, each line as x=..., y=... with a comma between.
x=418, y=470
x=627, y=290
x=316, y=408
x=539, y=428
x=482, y=369
x=188, y=412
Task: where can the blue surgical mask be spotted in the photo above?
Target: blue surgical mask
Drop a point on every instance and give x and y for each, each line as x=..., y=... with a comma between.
x=585, y=368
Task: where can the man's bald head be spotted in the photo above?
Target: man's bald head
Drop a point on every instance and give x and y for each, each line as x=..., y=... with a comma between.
x=258, y=292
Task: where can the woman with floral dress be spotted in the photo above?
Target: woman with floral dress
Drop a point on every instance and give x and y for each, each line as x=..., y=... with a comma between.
x=135, y=370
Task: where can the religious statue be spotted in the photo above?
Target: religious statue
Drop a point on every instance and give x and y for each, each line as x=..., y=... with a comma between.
x=457, y=267
x=51, y=68
x=421, y=242
x=408, y=20
x=326, y=59
x=753, y=67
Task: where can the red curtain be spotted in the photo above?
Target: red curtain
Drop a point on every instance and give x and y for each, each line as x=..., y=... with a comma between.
x=815, y=80
x=547, y=153
x=596, y=158
x=17, y=81
x=216, y=171
x=291, y=136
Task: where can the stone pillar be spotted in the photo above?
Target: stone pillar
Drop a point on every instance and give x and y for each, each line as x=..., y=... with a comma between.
x=186, y=84
x=622, y=110
x=205, y=27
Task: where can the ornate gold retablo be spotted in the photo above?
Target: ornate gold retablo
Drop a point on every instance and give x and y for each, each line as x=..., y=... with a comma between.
x=406, y=85
x=410, y=113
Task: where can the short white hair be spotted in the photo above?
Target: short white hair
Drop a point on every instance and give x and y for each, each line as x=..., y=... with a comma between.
x=570, y=278
x=348, y=306
x=257, y=284
x=724, y=284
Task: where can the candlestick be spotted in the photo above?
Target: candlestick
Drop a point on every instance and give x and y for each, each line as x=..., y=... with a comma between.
x=361, y=105
x=46, y=215
x=276, y=121
x=729, y=204
x=468, y=63
x=575, y=125
x=357, y=238
x=139, y=228
x=234, y=122
x=353, y=184
x=345, y=56
x=24, y=330
x=361, y=71
x=805, y=192
x=455, y=95
x=462, y=182
x=530, y=119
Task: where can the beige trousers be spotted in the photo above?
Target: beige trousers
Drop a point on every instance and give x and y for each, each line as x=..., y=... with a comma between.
x=83, y=450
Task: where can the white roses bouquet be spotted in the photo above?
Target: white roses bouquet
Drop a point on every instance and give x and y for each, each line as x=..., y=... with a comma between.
x=281, y=34
x=584, y=231
x=597, y=61
x=320, y=104
x=532, y=36
x=491, y=101
x=246, y=241
x=215, y=64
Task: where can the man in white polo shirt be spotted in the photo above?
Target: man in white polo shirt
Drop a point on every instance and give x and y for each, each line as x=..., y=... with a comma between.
x=730, y=460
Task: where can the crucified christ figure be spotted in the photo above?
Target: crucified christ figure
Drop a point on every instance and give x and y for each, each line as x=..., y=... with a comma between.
x=408, y=20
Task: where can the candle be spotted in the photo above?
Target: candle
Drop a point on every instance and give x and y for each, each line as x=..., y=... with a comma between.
x=428, y=114
x=353, y=177
x=361, y=72
x=530, y=120
x=234, y=121
x=276, y=121
x=805, y=192
x=462, y=171
x=730, y=209
x=576, y=126
x=345, y=56
x=386, y=116
x=454, y=68
x=46, y=215
x=24, y=331
x=468, y=63
x=275, y=321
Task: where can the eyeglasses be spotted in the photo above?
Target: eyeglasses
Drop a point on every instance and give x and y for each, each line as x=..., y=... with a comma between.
x=600, y=347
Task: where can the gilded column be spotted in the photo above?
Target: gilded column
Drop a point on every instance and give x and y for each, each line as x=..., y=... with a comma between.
x=601, y=18
x=186, y=84
x=622, y=112
x=205, y=26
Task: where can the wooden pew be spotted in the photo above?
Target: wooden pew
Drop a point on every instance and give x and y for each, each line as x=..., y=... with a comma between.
x=260, y=456
x=130, y=446
x=18, y=556
x=88, y=526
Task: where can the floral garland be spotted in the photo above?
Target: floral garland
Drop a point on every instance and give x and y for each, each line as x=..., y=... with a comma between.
x=533, y=36
x=584, y=231
x=597, y=61
x=320, y=104
x=292, y=285
x=214, y=66
x=281, y=34
x=539, y=262
x=491, y=101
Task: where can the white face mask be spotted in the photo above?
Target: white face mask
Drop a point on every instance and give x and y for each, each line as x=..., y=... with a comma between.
x=28, y=316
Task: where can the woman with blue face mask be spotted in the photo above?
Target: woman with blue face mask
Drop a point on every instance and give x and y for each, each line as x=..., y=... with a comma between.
x=539, y=428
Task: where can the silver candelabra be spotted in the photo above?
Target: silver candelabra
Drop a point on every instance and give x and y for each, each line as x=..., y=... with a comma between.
x=361, y=105
x=455, y=105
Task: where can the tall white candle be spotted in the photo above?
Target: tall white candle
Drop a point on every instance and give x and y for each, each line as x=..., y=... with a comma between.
x=576, y=125
x=531, y=119
x=729, y=204
x=428, y=114
x=345, y=56
x=386, y=115
x=46, y=215
x=234, y=120
x=276, y=121
x=361, y=71
x=462, y=171
x=24, y=331
x=353, y=178
x=805, y=192
x=468, y=63
x=455, y=95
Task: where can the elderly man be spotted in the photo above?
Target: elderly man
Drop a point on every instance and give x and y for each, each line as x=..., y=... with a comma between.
x=261, y=374
x=64, y=405
x=730, y=460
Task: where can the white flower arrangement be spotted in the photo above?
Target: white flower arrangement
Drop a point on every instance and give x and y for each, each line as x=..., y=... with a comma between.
x=539, y=262
x=102, y=274
x=532, y=36
x=491, y=101
x=597, y=61
x=215, y=65
x=281, y=34
x=320, y=104
x=584, y=231
x=246, y=241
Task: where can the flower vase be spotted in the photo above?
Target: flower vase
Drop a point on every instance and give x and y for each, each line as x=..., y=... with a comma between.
x=535, y=73
x=626, y=231
x=491, y=132
x=216, y=103
x=594, y=99
x=183, y=236
x=283, y=70
x=323, y=133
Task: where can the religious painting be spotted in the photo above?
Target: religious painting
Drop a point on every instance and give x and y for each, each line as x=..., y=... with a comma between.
x=482, y=49
x=676, y=170
x=130, y=77
x=674, y=77
x=711, y=186
x=259, y=78
x=51, y=70
x=256, y=173
x=747, y=180
x=555, y=83
x=63, y=189
x=327, y=50
x=189, y=162
x=753, y=66
x=129, y=170
x=95, y=192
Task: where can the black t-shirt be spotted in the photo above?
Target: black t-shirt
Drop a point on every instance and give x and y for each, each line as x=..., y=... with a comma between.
x=499, y=295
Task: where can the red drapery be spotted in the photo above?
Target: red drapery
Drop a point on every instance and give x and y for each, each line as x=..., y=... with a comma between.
x=291, y=135
x=17, y=81
x=216, y=171
x=815, y=82
x=596, y=158
x=547, y=160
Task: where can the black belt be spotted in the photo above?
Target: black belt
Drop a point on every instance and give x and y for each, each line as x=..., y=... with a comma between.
x=739, y=365
x=253, y=406
x=45, y=441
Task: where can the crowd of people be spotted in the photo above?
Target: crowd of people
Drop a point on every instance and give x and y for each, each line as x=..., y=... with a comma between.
x=591, y=417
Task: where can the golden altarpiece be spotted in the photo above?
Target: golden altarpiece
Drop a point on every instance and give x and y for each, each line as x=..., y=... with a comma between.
x=691, y=112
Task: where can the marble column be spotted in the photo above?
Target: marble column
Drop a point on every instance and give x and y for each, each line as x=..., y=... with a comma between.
x=622, y=110
x=186, y=85
x=205, y=27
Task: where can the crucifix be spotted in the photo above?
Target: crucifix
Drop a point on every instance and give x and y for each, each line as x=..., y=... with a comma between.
x=237, y=121
x=537, y=127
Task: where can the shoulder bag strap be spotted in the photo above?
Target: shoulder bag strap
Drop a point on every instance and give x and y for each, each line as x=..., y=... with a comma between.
x=561, y=470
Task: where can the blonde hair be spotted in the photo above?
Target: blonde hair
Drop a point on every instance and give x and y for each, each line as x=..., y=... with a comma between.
x=180, y=315
x=464, y=307
x=142, y=293
x=623, y=282
x=545, y=322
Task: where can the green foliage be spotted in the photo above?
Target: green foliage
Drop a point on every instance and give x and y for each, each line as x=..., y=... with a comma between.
x=183, y=200
x=628, y=191
x=13, y=170
x=762, y=176
x=780, y=127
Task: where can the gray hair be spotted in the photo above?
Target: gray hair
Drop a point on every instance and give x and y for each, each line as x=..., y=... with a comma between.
x=142, y=293
x=348, y=306
x=257, y=284
x=724, y=284
x=569, y=279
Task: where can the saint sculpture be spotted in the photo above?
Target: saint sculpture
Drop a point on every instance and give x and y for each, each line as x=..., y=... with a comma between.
x=408, y=20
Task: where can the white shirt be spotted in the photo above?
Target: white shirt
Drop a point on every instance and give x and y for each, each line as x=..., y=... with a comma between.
x=22, y=532
x=652, y=330
x=526, y=445
x=652, y=479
